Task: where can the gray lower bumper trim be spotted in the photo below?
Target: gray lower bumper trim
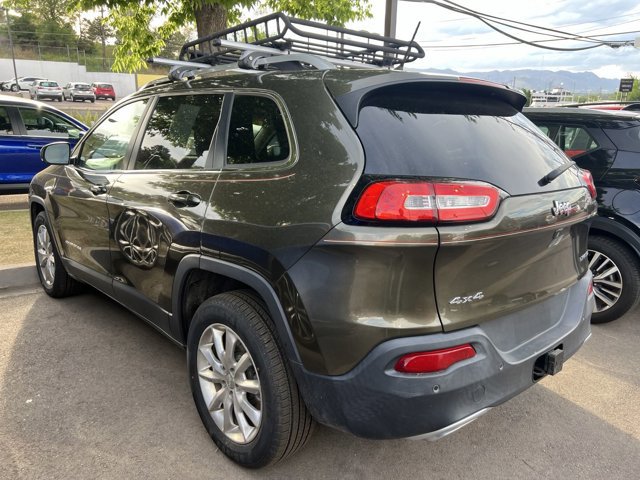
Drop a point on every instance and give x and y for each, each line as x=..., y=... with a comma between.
x=443, y=432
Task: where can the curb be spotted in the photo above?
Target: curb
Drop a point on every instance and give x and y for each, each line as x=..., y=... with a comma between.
x=18, y=276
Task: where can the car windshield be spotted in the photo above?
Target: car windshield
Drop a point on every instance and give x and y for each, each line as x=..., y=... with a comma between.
x=48, y=84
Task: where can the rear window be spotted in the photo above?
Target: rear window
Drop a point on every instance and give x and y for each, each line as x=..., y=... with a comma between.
x=104, y=85
x=82, y=86
x=448, y=133
x=48, y=84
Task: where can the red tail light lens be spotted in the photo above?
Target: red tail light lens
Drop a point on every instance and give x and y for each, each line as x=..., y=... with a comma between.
x=435, y=360
x=588, y=179
x=427, y=202
x=590, y=288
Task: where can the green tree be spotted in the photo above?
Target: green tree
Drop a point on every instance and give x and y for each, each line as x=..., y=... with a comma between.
x=23, y=28
x=47, y=11
x=136, y=41
x=98, y=30
x=634, y=94
x=52, y=20
x=527, y=93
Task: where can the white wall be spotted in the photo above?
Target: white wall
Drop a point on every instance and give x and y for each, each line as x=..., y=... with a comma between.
x=63, y=72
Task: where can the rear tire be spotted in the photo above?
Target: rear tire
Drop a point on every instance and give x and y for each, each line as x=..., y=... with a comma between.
x=272, y=420
x=616, y=278
x=55, y=280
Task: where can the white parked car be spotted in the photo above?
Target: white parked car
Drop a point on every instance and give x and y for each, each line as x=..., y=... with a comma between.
x=41, y=89
x=23, y=83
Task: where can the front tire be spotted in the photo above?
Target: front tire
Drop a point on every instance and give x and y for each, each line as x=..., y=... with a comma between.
x=241, y=383
x=616, y=278
x=15, y=88
x=55, y=280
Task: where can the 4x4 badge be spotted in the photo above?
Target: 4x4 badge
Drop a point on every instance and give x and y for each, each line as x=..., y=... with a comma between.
x=561, y=209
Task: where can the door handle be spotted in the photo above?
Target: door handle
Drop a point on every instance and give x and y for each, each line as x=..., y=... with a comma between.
x=98, y=189
x=31, y=145
x=184, y=199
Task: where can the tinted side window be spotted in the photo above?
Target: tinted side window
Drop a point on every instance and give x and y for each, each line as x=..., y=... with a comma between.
x=41, y=123
x=627, y=139
x=106, y=147
x=574, y=140
x=257, y=133
x=5, y=122
x=179, y=132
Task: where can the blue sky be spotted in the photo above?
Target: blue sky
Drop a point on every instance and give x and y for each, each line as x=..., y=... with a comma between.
x=441, y=28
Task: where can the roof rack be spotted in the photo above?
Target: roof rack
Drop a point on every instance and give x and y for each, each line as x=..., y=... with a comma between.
x=278, y=35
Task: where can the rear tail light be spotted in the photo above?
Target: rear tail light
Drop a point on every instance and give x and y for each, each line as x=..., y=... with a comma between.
x=427, y=202
x=588, y=179
x=435, y=360
x=590, y=288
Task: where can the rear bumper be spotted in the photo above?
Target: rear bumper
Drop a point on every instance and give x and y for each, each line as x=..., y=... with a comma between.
x=83, y=96
x=375, y=401
x=48, y=95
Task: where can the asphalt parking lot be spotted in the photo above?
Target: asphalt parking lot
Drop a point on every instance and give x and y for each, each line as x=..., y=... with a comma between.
x=89, y=391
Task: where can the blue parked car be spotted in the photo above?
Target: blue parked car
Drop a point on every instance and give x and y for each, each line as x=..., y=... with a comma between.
x=25, y=127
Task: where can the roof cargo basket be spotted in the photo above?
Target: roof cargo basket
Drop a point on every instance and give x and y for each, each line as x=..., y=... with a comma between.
x=279, y=34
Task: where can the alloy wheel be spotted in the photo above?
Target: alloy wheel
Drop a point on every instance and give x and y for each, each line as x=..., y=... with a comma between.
x=607, y=280
x=229, y=383
x=46, y=258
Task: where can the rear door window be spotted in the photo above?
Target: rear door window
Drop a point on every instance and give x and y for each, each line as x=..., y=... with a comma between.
x=574, y=140
x=257, y=132
x=40, y=123
x=179, y=132
x=5, y=122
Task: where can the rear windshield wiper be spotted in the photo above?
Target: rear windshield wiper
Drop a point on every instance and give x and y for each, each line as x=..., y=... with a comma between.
x=555, y=173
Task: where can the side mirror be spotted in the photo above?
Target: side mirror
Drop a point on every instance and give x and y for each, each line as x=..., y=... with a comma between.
x=57, y=153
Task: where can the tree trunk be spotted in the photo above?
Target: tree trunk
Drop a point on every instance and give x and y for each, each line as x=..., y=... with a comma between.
x=210, y=18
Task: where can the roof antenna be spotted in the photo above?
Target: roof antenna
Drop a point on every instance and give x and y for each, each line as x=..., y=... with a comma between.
x=406, y=54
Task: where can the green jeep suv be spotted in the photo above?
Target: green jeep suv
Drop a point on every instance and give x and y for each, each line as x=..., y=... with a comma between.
x=387, y=253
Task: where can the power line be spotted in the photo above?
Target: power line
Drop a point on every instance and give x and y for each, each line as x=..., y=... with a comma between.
x=492, y=21
x=424, y=43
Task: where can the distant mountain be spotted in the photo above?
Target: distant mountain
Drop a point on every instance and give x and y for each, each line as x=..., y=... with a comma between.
x=542, y=79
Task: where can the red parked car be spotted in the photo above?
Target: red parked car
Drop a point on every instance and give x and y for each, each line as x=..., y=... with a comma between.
x=104, y=90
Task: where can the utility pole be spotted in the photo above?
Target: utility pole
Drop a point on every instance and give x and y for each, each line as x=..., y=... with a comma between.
x=390, y=17
x=103, y=40
x=13, y=55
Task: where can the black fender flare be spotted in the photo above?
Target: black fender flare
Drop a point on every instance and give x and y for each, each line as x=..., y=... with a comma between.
x=244, y=275
x=618, y=230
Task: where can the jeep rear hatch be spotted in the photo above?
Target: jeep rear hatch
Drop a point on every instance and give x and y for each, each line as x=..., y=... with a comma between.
x=460, y=156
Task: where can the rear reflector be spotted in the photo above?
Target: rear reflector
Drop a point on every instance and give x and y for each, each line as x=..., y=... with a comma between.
x=435, y=360
x=588, y=179
x=427, y=202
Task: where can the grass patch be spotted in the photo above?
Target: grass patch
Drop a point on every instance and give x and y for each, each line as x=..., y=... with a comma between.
x=15, y=231
x=88, y=117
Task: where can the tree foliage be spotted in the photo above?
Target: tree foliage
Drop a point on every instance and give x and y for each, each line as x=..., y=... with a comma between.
x=634, y=94
x=131, y=20
x=58, y=12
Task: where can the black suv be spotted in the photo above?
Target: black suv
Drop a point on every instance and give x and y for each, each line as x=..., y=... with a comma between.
x=608, y=144
x=388, y=253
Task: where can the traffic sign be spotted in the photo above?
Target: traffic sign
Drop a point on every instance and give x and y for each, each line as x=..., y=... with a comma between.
x=626, y=84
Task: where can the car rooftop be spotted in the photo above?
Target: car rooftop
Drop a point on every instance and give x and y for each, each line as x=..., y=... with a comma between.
x=583, y=112
x=9, y=99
